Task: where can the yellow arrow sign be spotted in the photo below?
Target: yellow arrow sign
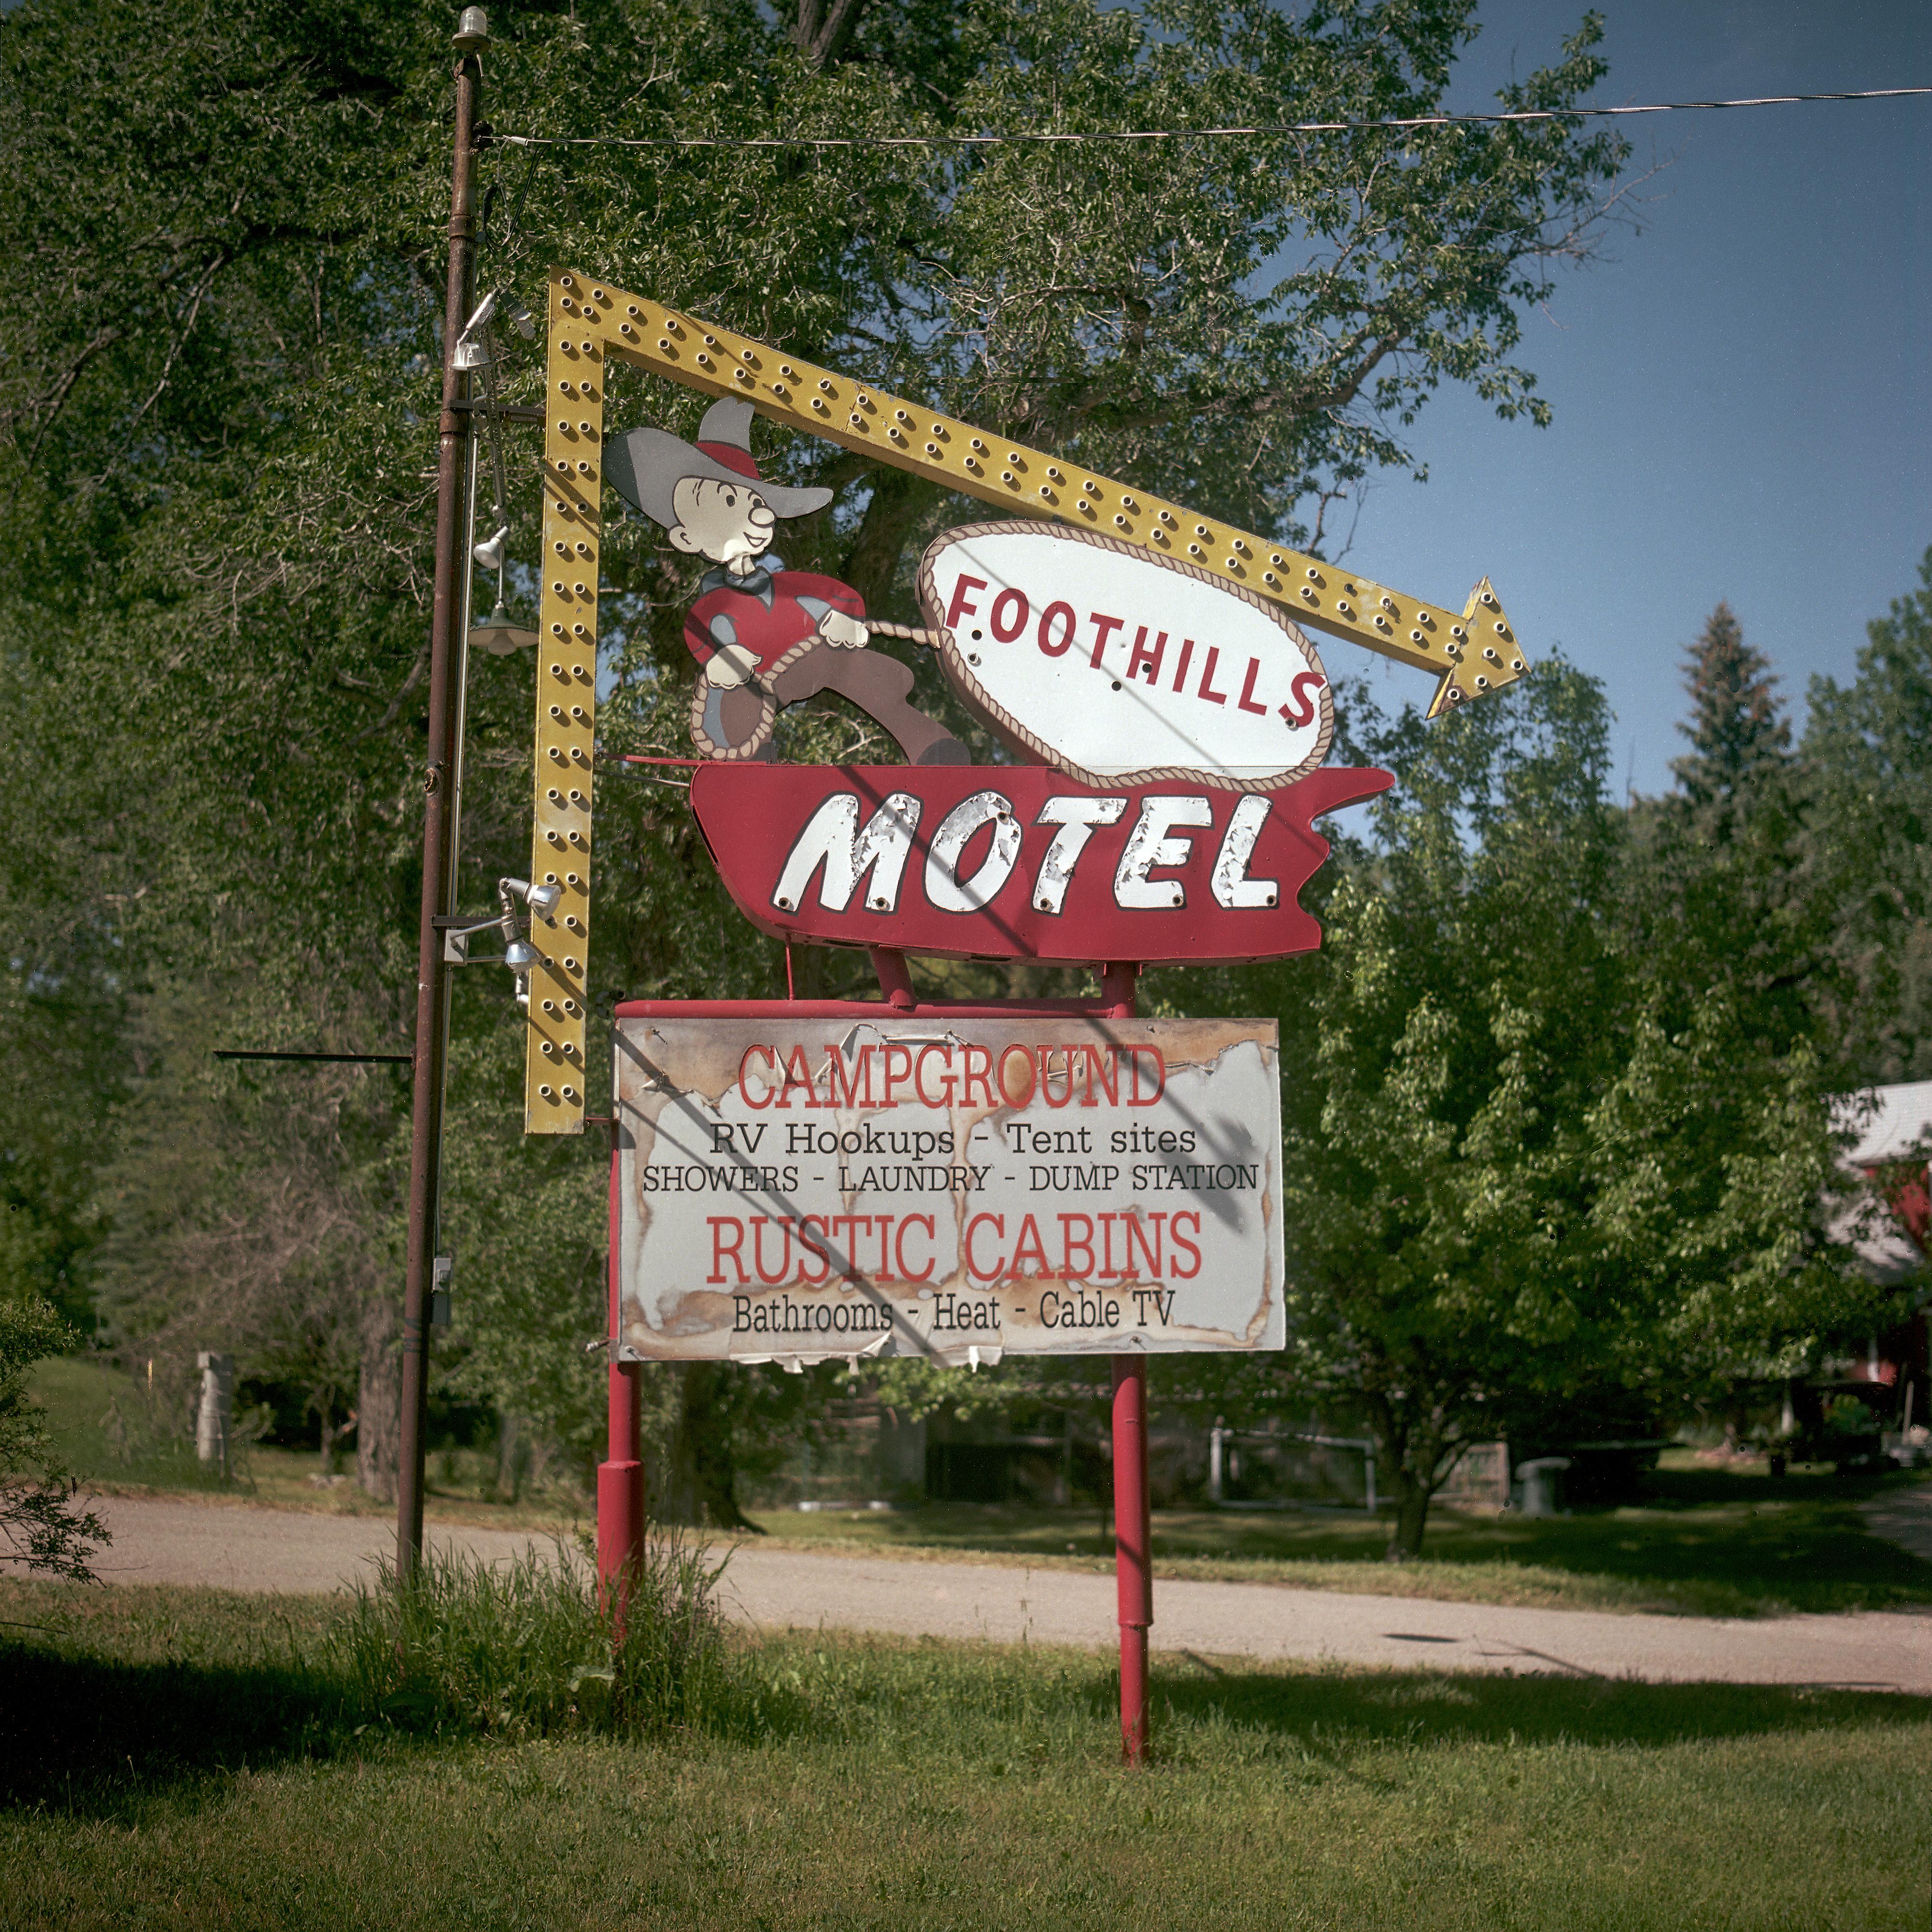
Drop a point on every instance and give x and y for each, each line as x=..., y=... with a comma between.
x=1470, y=652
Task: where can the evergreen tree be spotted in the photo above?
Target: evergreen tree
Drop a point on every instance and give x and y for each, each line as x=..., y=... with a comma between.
x=1723, y=886
x=1738, y=730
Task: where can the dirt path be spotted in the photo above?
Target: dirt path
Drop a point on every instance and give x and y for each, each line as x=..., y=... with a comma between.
x=159, y=1541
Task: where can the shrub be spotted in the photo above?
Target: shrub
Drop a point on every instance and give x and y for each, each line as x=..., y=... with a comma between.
x=41, y=1526
x=530, y=1647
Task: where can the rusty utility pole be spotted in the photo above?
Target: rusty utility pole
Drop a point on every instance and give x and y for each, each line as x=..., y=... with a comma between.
x=447, y=624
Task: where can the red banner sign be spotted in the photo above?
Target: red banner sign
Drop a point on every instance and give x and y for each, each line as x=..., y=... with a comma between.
x=1013, y=862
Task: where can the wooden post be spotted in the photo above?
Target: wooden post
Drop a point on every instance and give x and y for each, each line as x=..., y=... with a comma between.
x=447, y=624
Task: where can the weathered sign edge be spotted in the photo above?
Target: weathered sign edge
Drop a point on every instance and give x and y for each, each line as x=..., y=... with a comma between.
x=1271, y=1308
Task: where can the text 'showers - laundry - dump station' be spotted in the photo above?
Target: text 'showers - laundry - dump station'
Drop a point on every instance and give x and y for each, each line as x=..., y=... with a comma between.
x=794, y=1181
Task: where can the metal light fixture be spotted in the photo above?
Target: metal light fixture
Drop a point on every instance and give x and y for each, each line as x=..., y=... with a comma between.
x=475, y=352
x=472, y=346
x=473, y=31
x=518, y=954
x=499, y=635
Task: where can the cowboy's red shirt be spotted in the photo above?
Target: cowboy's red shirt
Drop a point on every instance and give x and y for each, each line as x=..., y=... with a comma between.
x=768, y=611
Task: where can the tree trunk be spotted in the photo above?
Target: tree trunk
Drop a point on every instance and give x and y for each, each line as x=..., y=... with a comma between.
x=378, y=1403
x=699, y=1485
x=1411, y=1516
x=871, y=562
x=510, y=1460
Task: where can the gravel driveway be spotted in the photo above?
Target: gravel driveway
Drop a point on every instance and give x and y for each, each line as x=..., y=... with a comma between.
x=159, y=1540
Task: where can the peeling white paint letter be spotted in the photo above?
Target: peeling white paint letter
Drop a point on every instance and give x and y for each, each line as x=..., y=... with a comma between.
x=943, y=886
x=1233, y=887
x=1148, y=845
x=1076, y=817
x=832, y=838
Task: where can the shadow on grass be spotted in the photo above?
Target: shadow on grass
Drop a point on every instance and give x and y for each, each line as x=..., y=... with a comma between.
x=94, y=1737
x=973, y=1698
x=100, y=1738
x=1419, y=1707
x=1812, y=1552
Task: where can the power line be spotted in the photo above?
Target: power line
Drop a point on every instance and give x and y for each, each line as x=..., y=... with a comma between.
x=348, y=1059
x=1046, y=139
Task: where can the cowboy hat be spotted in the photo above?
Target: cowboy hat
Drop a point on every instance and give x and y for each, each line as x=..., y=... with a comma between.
x=645, y=466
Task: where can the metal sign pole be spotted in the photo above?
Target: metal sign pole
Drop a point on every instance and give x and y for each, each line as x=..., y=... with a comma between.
x=621, y=1475
x=1132, y=1555
x=1133, y=1568
x=446, y=625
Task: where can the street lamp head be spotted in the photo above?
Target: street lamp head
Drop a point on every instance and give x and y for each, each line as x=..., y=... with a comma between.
x=473, y=31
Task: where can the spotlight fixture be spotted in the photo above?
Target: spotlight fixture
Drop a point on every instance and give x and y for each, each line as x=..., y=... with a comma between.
x=489, y=552
x=472, y=349
x=518, y=954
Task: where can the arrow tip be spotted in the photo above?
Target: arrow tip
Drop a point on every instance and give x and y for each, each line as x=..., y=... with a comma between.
x=1491, y=657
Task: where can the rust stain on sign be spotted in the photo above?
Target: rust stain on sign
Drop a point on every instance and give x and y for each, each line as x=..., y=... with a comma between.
x=800, y=1190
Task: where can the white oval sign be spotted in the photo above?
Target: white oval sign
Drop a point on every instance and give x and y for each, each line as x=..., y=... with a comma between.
x=1120, y=666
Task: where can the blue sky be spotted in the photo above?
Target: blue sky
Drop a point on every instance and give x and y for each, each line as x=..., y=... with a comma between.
x=1741, y=391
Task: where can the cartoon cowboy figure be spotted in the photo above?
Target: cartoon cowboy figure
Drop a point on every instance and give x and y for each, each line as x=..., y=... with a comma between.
x=765, y=637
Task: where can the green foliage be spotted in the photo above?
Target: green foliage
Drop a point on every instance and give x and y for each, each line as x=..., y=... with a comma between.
x=1867, y=753
x=253, y=1209
x=42, y=1527
x=1541, y=1130
x=534, y=1646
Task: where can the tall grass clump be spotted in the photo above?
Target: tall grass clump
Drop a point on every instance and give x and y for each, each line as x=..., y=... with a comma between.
x=532, y=1646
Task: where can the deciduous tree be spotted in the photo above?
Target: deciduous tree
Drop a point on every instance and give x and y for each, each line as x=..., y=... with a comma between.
x=220, y=285
x=1527, y=1148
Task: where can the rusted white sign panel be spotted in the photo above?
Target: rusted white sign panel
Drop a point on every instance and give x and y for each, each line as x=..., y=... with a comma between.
x=800, y=1188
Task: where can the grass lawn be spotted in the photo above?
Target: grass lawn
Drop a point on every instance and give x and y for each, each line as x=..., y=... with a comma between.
x=1709, y=1542
x=179, y=1758
x=81, y=1397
